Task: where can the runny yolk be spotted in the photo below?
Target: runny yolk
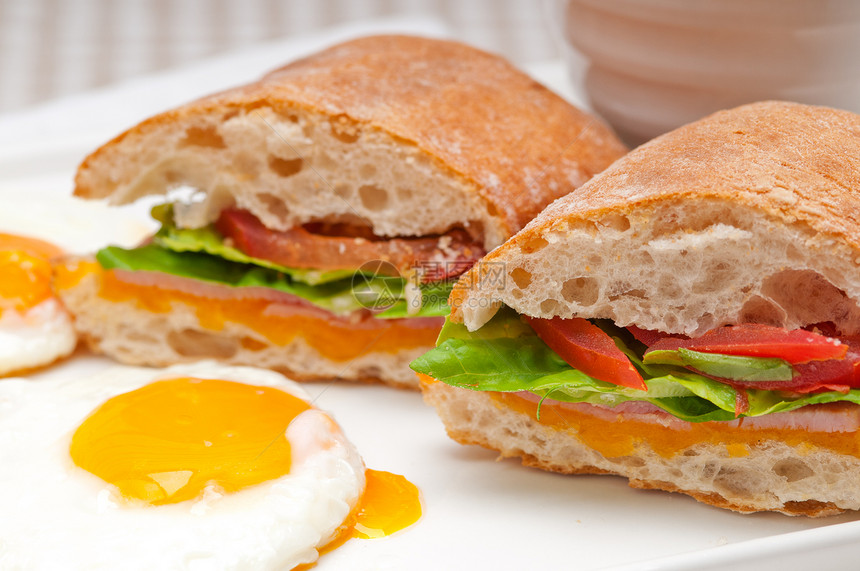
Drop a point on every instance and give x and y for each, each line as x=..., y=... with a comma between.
x=390, y=503
x=25, y=271
x=32, y=246
x=164, y=442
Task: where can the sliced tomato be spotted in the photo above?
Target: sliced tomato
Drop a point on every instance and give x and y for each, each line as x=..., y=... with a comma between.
x=344, y=247
x=755, y=340
x=650, y=336
x=839, y=375
x=586, y=347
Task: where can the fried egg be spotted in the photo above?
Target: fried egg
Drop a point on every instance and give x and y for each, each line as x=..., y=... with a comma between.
x=197, y=466
x=35, y=329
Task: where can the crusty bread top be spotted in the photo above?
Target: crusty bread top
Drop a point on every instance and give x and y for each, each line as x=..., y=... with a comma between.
x=472, y=114
x=750, y=214
x=798, y=162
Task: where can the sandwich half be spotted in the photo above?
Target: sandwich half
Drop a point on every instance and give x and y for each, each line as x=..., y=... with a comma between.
x=314, y=221
x=688, y=319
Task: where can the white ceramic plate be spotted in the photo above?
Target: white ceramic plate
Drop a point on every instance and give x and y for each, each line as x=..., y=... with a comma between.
x=478, y=513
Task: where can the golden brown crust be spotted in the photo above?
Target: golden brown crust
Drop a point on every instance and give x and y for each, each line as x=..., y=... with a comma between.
x=757, y=480
x=796, y=162
x=471, y=110
x=809, y=508
x=799, y=164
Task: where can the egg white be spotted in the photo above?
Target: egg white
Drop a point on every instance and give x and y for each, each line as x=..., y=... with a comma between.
x=38, y=336
x=59, y=516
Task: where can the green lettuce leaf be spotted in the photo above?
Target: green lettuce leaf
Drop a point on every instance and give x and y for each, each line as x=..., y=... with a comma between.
x=726, y=366
x=201, y=253
x=210, y=241
x=336, y=296
x=506, y=356
x=336, y=290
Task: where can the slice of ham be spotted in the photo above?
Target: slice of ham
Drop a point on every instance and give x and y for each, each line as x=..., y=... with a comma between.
x=281, y=303
x=344, y=247
x=828, y=417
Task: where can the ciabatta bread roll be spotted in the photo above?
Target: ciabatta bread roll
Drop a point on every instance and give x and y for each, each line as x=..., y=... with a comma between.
x=739, y=217
x=688, y=319
x=421, y=153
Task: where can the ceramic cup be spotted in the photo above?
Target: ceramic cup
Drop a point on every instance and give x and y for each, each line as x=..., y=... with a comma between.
x=648, y=66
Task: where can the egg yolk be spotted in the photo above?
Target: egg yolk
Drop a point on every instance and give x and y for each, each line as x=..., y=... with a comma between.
x=25, y=271
x=165, y=442
x=390, y=503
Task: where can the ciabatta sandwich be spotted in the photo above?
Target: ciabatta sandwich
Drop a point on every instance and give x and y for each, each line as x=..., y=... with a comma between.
x=333, y=203
x=689, y=319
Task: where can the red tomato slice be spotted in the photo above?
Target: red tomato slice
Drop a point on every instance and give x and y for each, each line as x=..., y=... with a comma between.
x=834, y=375
x=344, y=247
x=755, y=340
x=838, y=375
x=586, y=347
x=650, y=336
